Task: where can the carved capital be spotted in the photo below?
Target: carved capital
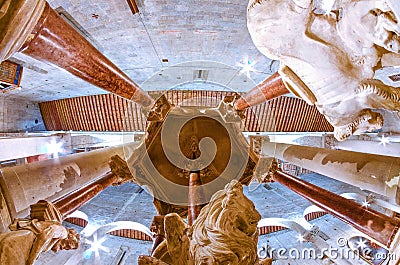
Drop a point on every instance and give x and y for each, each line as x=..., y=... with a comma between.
x=44, y=210
x=269, y=177
x=120, y=168
x=228, y=111
x=160, y=109
x=256, y=143
x=17, y=20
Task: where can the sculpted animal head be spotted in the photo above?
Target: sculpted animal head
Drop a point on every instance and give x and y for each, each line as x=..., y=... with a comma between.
x=226, y=230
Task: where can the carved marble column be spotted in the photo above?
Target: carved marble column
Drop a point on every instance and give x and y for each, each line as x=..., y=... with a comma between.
x=376, y=173
x=52, y=179
x=195, y=196
x=38, y=31
x=270, y=88
x=374, y=224
x=17, y=20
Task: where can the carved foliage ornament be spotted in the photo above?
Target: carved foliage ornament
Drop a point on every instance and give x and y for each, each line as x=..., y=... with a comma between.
x=329, y=59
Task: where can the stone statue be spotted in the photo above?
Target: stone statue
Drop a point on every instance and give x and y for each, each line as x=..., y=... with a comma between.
x=225, y=232
x=29, y=237
x=329, y=52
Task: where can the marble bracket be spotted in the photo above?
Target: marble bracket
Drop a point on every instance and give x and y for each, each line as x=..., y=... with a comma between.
x=160, y=110
x=228, y=111
x=120, y=168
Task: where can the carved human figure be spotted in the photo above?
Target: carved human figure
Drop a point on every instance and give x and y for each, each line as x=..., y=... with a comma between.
x=329, y=59
x=28, y=238
x=225, y=232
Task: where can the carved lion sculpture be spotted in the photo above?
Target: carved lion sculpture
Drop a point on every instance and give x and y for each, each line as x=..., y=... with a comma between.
x=330, y=59
x=225, y=232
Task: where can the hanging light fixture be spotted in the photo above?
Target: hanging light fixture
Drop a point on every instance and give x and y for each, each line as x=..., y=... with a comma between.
x=134, y=8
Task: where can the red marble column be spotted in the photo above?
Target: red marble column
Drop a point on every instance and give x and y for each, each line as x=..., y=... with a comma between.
x=54, y=40
x=372, y=223
x=195, y=196
x=270, y=88
x=76, y=199
x=36, y=158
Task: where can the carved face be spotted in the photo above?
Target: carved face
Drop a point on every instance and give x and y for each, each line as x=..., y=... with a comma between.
x=241, y=211
x=247, y=222
x=226, y=230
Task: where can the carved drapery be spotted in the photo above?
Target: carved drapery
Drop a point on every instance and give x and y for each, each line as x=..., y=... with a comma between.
x=329, y=58
x=29, y=237
x=225, y=232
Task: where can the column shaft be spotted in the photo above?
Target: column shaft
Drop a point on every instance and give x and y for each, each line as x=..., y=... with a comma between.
x=195, y=196
x=76, y=199
x=54, y=40
x=370, y=147
x=374, y=224
x=270, y=88
x=371, y=172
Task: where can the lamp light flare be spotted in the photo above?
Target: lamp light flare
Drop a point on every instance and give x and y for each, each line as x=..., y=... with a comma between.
x=384, y=140
x=95, y=246
x=365, y=204
x=362, y=244
x=247, y=66
x=54, y=148
x=300, y=238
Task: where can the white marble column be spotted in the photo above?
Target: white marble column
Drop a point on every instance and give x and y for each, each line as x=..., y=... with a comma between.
x=376, y=173
x=49, y=180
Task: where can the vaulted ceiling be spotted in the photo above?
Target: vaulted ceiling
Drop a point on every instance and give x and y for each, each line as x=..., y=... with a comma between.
x=161, y=47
